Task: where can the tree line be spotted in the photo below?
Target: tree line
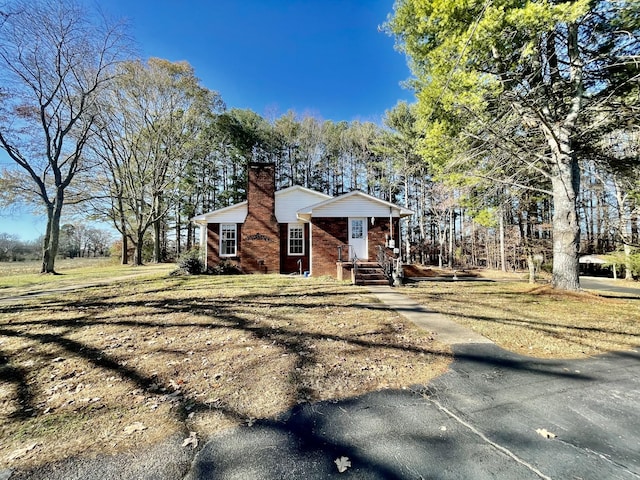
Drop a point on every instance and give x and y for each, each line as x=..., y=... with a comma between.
x=521, y=150
x=76, y=241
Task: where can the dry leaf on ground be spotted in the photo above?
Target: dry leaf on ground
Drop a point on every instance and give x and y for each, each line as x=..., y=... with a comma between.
x=544, y=433
x=342, y=463
x=192, y=440
x=21, y=452
x=134, y=427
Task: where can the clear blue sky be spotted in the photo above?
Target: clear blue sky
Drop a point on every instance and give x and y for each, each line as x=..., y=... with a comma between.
x=326, y=58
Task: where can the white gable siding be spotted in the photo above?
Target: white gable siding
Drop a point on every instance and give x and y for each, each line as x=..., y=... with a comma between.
x=289, y=201
x=233, y=214
x=354, y=206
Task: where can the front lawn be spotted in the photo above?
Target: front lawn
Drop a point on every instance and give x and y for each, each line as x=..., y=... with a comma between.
x=536, y=320
x=110, y=368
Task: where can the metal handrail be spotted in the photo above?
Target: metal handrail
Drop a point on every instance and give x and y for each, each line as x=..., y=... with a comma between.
x=392, y=267
x=351, y=253
x=385, y=261
x=354, y=259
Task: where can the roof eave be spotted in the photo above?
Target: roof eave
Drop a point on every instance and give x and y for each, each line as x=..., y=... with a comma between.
x=203, y=218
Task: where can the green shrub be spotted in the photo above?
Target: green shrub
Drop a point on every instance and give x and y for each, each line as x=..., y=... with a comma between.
x=191, y=263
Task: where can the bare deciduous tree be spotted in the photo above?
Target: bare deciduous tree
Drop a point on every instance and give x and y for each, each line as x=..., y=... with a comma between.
x=55, y=56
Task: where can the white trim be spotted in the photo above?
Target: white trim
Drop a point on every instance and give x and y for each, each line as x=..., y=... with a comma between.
x=311, y=249
x=233, y=214
x=306, y=213
x=235, y=240
x=203, y=243
x=299, y=226
x=303, y=189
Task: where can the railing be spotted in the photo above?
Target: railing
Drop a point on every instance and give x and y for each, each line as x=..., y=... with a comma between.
x=350, y=253
x=354, y=259
x=385, y=261
x=391, y=266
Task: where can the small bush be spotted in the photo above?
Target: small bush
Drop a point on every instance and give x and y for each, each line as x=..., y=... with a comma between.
x=226, y=268
x=191, y=263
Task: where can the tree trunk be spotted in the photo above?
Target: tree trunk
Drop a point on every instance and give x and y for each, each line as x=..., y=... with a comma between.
x=52, y=235
x=565, y=180
x=441, y=246
x=139, y=246
x=124, y=256
x=124, y=259
x=474, y=256
x=531, y=265
x=407, y=239
x=421, y=220
x=157, y=242
x=566, y=227
x=451, y=234
x=503, y=262
x=189, y=245
x=624, y=224
x=628, y=272
x=46, y=241
x=178, y=231
x=635, y=238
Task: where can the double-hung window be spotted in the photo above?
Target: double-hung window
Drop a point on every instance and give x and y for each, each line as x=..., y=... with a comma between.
x=296, y=239
x=228, y=239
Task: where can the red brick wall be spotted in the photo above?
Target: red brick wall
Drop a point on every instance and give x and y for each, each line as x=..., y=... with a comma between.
x=260, y=233
x=289, y=263
x=330, y=233
x=327, y=235
x=213, y=245
x=378, y=233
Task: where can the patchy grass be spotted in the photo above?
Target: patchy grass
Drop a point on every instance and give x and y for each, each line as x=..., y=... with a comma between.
x=107, y=369
x=536, y=320
x=62, y=264
x=18, y=277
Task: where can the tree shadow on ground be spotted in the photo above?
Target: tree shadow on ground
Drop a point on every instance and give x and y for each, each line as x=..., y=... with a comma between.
x=212, y=315
x=570, y=333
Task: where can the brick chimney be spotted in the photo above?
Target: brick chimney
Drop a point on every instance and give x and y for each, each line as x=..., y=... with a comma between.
x=260, y=232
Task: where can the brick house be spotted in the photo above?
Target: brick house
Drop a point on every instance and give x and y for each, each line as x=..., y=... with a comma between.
x=298, y=230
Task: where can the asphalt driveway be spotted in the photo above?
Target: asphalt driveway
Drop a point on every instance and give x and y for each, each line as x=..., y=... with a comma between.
x=493, y=415
x=610, y=285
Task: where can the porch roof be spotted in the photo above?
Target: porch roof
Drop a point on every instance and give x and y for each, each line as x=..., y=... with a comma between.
x=355, y=203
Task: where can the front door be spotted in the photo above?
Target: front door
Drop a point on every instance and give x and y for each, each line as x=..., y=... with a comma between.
x=358, y=238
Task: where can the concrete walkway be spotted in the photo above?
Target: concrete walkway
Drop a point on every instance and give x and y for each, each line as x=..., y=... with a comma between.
x=446, y=331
